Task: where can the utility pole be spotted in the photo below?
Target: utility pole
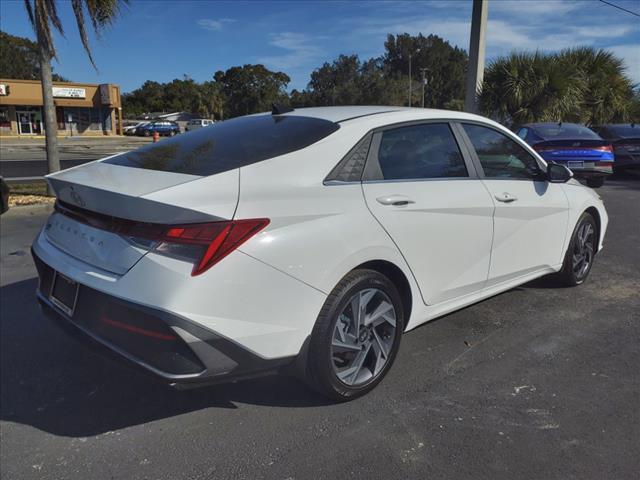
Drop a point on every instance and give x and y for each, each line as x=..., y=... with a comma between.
x=476, y=54
x=410, y=79
x=424, y=82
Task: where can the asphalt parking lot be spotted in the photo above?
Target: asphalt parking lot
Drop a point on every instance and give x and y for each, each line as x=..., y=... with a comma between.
x=536, y=383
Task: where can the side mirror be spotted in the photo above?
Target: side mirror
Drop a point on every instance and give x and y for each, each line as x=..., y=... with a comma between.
x=557, y=173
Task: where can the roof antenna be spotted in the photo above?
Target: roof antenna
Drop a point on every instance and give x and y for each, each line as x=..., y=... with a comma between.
x=279, y=109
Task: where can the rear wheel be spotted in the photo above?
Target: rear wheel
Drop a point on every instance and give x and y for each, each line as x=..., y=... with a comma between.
x=595, y=182
x=356, y=336
x=581, y=252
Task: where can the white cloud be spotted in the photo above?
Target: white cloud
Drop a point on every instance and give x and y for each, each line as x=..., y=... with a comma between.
x=214, y=25
x=503, y=37
x=534, y=8
x=301, y=50
x=631, y=56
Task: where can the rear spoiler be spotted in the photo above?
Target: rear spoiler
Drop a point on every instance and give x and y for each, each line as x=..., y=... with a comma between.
x=569, y=143
x=141, y=195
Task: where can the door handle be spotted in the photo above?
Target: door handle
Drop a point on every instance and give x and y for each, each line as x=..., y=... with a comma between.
x=505, y=197
x=395, y=200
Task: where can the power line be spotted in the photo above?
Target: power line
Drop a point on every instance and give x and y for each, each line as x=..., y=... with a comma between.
x=620, y=8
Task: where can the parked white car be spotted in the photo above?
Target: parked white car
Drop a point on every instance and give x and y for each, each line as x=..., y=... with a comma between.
x=198, y=123
x=306, y=240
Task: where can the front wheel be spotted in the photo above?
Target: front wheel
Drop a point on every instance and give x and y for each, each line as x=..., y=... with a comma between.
x=581, y=252
x=595, y=182
x=356, y=336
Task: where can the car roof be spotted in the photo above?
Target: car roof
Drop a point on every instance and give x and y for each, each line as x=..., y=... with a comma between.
x=550, y=124
x=374, y=116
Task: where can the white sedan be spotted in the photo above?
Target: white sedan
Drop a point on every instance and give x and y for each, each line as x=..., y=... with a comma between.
x=305, y=241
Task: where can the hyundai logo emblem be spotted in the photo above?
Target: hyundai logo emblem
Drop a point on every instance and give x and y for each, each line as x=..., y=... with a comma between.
x=75, y=196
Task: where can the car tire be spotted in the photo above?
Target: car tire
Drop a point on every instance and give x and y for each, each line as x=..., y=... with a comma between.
x=172, y=133
x=595, y=182
x=581, y=244
x=147, y=133
x=333, y=369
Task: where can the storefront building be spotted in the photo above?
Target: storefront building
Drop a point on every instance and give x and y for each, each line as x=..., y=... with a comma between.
x=81, y=108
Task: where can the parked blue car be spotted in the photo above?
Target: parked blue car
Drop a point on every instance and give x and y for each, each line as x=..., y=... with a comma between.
x=573, y=145
x=163, y=127
x=625, y=138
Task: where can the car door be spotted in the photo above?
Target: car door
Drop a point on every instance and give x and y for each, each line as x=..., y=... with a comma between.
x=531, y=214
x=426, y=195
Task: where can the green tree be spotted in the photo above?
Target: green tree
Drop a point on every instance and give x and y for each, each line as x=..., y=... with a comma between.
x=583, y=85
x=251, y=89
x=19, y=58
x=446, y=67
x=348, y=81
x=336, y=83
x=607, y=92
x=179, y=95
x=43, y=15
x=531, y=87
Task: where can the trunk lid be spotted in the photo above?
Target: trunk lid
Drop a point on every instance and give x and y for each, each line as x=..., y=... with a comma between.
x=143, y=196
x=579, y=149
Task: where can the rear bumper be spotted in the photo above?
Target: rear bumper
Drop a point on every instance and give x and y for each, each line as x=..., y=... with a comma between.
x=173, y=349
x=627, y=161
x=592, y=172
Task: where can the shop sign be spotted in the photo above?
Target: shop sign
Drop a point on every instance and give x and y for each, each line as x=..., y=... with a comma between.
x=3, y=89
x=68, y=92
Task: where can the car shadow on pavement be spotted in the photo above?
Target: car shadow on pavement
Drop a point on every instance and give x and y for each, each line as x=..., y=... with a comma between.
x=52, y=382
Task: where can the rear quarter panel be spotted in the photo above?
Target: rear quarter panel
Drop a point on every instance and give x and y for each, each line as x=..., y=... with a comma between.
x=317, y=233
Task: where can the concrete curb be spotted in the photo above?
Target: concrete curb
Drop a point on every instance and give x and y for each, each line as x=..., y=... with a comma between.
x=27, y=210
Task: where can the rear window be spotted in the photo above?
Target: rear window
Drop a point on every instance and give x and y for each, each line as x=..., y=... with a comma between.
x=565, y=131
x=624, y=131
x=228, y=145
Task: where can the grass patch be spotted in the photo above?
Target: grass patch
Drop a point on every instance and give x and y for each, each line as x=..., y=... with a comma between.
x=32, y=193
x=32, y=188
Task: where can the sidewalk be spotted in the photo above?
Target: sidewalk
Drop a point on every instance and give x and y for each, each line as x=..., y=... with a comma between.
x=118, y=142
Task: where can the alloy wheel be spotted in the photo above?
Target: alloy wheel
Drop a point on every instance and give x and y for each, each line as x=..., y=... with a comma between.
x=583, y=250
x=363, y=337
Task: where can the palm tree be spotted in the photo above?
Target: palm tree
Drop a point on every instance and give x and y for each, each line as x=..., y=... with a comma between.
x=607, y=92
x=581, y=85
x=531, y=87
x=43, y=15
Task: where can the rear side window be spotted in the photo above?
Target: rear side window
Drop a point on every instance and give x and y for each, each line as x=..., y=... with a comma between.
x=500, y=156
x=229, y=145
x=419, y=152
x=625, y=131
x=562, y=131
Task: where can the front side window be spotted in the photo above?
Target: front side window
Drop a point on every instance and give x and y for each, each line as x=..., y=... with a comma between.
x=419, y=152
x=500, y=156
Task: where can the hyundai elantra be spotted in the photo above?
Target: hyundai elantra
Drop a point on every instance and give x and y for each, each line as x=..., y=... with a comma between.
x=305, y=240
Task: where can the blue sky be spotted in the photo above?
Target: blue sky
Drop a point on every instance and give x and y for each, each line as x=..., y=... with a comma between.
x=163, y=40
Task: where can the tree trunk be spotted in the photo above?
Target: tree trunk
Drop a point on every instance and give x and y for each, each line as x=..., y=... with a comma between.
x=49, y=108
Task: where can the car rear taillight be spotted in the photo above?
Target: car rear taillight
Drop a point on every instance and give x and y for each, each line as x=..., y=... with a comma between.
x=207, y=243
x=204, y=244
x=604, y=148
x=541, y=148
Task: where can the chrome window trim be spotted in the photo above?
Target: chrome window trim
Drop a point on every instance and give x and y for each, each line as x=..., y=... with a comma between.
x=513, y=137
x=373, y=173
